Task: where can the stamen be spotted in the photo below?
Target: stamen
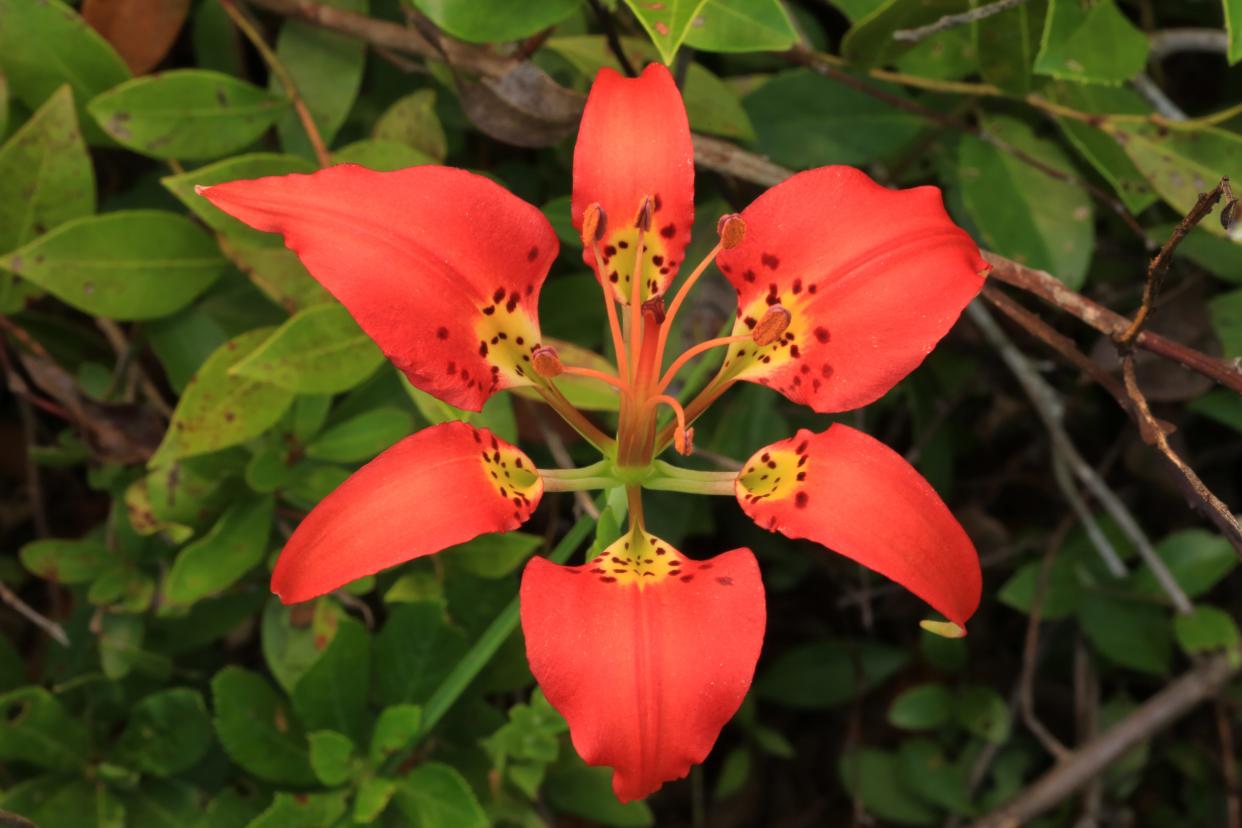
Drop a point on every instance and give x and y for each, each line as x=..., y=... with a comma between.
x=594, y=222
x=683, y=437
x=684, y=291
x=547, y=363
x=731, y=229
x=771, y=325
x=591, y=373
x=643, y=223
x=691, y=353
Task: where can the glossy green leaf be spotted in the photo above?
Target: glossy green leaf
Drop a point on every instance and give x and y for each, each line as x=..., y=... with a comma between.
x=395, y=730
x=873, y=776
x=137, y=264
x=122, y=634
x=326, y=68
x=36, y=729
x=827, y=673
x=1133, y=635
x=219, y=409
x=434, y=795
x=1022, y=213
x=496, y=416
x=495, y=555
x=46, y=44
x=185, y=114
x=983, y=712
x=291, y=643
x=372, y=798
x=320, y=350
x=1061, y=596
x=1197, y=558
x=1226, y=311
x=166, y=733
x=1090, y=43
x=1233, y=26
x=1206, y=629
x=46, y=177
x=257, y=729
x=278, y=273
x=414, y=651
x=924, y=707
x=234, y=546
x=253, y=165
x=381, y=156
x=1007, y=44
x=870, y=41
x=331, y=756
x=66, y=561
x=413, y=121
x=667, y=23
x=302, y=810
x=361, y=437
x=742, y=26
x=488, y=21
x=806, y=120
x=332, y=694
x=927, y=772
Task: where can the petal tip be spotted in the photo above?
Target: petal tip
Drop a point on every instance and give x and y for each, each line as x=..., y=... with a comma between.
x=944, y=629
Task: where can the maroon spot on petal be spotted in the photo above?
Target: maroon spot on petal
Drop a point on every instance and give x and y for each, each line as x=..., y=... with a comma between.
x=609, y=251
x=800, y=500
x=613, y=277
x=801, y=476
x=749, y=275
x=794, y=352
x=657, y=260
x=826, y=370
x=489, y=310
x=608, y=579
x=822, y=334
x=725, y=581
x=482, y=349
x=512, y=303
x=442, y=333
x=532, y=254
x=686, y=578
x=668, y=231
x=499, y=295
x=656, y=203
x=770, y=261
x=802, y=447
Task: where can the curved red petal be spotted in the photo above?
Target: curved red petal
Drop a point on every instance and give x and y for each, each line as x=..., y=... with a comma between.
x=645, y=653
x=441, y=267
x=633, y=144
x=855, y=495
x=872, y=278
x=441, y=486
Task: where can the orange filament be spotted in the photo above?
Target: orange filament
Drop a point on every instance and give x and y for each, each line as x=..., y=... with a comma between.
x=614, y=324
x=636, y=328
x=591, y=373
x=691, y=353
x=683, y=437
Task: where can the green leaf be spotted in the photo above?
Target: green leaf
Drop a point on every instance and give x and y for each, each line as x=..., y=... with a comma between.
x=742, y=26
x=712, y=106
x=1221, y=405
x=586, y=792
x=1206, y=629
x=1038, y=220
x=1179, y=163
x=1233, y=26
x=279, y=274
x=489, y=21
x=495, y=555
x=162, y=803
x=361, y=437
x=218, y=409
x=870, y=41
x=326, y=68
x=667, y=23
x=396, y=729
x=332, y=694
x=231, y=808
x=302, y=810
x=381, y=156
x=436, y=796
x=1061, y=596
x=1197, y=559
x=254, y=165
x=291, y=649
x=372, y=798
x=54, y=802
x=234, y=546
x=1214, y=253
x=166, y=733
x=924, y=707
x=828, y=673
x=413, y=121
x=926, y=771
x=734, y=772
x=496, y=416
x=36, y=729
x=805, y=120
x=1137, y=636
x=185, y=114
x=137, y=264
x=46, y=176
x=414, y=652
x=873, y=776
x=121, y=635
x=1007, y=44
x=1226, y=312
x=257, y=729
x=1090, y=43
x=331, y=755
x=66, y=561
x=983, y=712
x=320, y=350
x=46, y=44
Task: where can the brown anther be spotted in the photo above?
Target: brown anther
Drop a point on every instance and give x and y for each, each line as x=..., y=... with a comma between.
x=643, y=220
x=594, y=222
x=731, y=230
x=683, y=441
x=547, y=363
x=654, y=308
x=771, y=325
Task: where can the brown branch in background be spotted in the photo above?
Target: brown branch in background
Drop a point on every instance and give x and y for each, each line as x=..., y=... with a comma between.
x=1160, y=263
x=127, y=360
x=614, y=40
x=1171, y=41
x=1030, y=647
x=251, y=31
x=54, y=630
x=952, y=21
x=1082, y=765
x=1228, y=766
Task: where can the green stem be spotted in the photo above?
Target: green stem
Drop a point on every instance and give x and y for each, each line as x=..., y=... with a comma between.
x=578, y=484
x=598, y=469
x=669, y=478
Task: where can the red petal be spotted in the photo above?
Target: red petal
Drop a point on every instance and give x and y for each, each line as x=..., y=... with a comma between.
x=873, y=279
x=860, y=498
x=645, y=653
x=441, y=267
x=633, y=144
x=441, y=486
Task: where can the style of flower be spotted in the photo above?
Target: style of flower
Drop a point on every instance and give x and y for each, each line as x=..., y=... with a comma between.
x=843, y=288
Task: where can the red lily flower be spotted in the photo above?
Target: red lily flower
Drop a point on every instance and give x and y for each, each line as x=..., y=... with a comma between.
x=843, y=288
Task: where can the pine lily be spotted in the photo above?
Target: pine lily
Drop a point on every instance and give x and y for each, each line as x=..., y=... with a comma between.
x=843, y=288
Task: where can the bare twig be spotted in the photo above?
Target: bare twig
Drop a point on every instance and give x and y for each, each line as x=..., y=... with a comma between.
x=251, y=31
x=54, y=630
x=614, y=40
x=1149, y=89
x=556, y=447
x=124, y=350
x=12, y=820
x=952, y=21
x=1170, y=41
x=1065, y=482
x=1026, y=684
x=1087, y=710
x=1091, y=759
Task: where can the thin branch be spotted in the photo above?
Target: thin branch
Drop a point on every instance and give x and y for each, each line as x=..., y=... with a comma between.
x=54, y=630
x=952, y=21
x=1171, y=41
x=1030, y=647
x=1228, y=765
x=251, y=31
x=614, y=40
x=1091, y=759
x=1162, y=103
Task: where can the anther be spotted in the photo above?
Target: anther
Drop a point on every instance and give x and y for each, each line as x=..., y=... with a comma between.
x=594, y=222
x=547, y=363
x=643, y=220
x=731, y=229
x=683, y=440
x=771, y=325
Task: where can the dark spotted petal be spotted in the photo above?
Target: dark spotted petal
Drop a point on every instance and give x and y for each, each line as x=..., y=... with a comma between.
x=645, y=653
x=858, y=497
x=872, y=278
x=441, y=267
x=434, y=489
x=634, y=144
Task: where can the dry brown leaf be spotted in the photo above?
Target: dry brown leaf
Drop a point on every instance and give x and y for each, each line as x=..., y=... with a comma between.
x=142, y=31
